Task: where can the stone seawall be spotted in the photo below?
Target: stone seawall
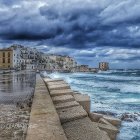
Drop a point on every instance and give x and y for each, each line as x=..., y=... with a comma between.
x=44, y=121
x=60, y=113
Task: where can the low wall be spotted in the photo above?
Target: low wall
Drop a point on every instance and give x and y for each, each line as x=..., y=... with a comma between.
x=44, y=122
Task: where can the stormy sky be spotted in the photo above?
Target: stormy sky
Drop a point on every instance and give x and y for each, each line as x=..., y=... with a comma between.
x=89, y=30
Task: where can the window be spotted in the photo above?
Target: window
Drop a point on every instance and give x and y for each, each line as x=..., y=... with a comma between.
x=3, y=54
x=8, y=60
x=3, y=60
x=8, y=54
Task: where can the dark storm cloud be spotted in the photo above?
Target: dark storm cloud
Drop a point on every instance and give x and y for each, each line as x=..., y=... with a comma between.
x=87, y=29
x=63, y=24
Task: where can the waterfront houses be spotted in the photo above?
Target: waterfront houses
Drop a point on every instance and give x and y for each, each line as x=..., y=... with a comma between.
x=18, y=57
x=59, y=62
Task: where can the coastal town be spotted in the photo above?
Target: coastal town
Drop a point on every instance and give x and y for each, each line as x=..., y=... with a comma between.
x=18, y=57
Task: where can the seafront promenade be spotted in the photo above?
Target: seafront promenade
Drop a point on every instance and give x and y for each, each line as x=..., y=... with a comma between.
x=58, y=113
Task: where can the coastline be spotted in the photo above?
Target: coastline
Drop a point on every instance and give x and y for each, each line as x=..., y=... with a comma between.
x=104, y=121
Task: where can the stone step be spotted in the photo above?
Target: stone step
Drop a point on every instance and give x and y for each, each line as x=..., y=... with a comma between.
x=61, y=92
x=58, y=87
x=71, y=114
x=56, y=83
x=63, y=98
x=66, y=105
x=83, y=129
x=52, y=80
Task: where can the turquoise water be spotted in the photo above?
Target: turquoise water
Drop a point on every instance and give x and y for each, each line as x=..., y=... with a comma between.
x=113, y=92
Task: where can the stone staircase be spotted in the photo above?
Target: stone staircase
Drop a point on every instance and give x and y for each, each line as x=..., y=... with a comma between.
x=73, y=109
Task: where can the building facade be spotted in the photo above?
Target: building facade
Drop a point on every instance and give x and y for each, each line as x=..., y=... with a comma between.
x=103, y=66
x=6, y=58
x=19, y=57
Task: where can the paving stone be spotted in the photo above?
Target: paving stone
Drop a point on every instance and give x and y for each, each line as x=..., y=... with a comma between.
x=83, y=129
x=57, y=87
x=63, y=98
x=66, y=105
x=71, y=114
x=61, y=92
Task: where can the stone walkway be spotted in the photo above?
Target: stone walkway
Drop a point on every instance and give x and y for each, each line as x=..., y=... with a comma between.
x=44, y=121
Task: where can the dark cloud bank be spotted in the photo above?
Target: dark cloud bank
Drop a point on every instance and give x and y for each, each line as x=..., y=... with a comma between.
x=92, y=29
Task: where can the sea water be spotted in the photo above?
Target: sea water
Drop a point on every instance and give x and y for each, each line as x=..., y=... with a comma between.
x=114, y=92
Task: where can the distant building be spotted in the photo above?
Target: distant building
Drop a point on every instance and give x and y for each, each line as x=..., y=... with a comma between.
x=81, y=68
x=104, y=66
x=6, y=58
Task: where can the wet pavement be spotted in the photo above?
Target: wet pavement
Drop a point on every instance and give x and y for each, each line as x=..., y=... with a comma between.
x=16, y=94
x=16, y=86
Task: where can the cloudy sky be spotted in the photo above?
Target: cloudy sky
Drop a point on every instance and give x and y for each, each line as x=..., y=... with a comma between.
x=89, y=30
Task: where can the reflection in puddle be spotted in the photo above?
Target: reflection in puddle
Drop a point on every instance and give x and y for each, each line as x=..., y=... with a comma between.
x=17, y=85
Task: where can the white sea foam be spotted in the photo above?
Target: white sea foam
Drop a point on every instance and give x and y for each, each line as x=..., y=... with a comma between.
x=93, y=83
x=130, y=100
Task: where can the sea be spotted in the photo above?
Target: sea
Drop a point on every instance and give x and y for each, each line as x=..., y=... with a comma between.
x=114, y=92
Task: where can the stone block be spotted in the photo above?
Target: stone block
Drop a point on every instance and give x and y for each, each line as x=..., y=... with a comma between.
x=111, y=130
x=84, y=101
x=83, y=129
x=63, y=98
x=114, y=121
x=71, y=114
x=61, y=92
x=103, y=121
x=95, y=116
x=66, y=105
